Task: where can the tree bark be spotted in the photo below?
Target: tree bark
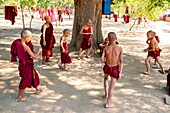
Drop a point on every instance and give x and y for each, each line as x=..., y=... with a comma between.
x=84, y=10
x=22, y=11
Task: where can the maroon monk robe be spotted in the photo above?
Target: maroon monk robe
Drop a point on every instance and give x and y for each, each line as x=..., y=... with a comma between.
x=60, y=18
x=112, y=71
x=65, y=58
x=86, y=42
x=155, y=53
x=50, y=41
x=29, y=76
x=102, y=48
x=10, y=13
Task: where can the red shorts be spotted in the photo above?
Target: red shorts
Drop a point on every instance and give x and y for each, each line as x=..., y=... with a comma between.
x=154, y=54
x=112, y=71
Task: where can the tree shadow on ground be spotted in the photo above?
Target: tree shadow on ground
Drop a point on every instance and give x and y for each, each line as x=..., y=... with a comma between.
x=81, y=88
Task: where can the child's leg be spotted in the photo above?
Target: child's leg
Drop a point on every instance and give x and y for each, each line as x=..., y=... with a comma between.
x=154, y=62
x=43, y=59
x=65, y=65
x=80, y=52
x=20, y=93
x=88, y=52
x=111, y=89
x=147, y=61
x=159, y=62
x=106, y=85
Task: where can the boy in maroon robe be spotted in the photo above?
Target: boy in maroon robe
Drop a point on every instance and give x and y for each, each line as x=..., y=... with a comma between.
x=47, y=40
x=65, y=58
x=23, y=49
x=150, y=47
x=153, y=52
x=103, y=45
x=87, y=32
x=112, y=56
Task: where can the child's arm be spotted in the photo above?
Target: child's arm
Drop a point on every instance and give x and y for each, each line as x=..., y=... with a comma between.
x=91, y=31
x=81, y=32
x=103, y=56
x=33, y=55
x=44, y=30
x=121, y=63
x=147, y=41
x=61, y=44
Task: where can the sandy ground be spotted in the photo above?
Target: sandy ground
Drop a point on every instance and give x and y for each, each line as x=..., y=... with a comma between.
x=80, y=90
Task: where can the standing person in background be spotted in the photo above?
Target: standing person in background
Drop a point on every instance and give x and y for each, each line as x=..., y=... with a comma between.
x=87, y=32
x=67, y=11
x=65, y=58
x=60, y=16
x=47, y=40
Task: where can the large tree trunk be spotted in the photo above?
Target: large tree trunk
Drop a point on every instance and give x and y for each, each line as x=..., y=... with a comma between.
x=84, y=10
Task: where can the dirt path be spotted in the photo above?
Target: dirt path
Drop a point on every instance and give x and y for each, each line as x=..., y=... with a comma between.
x=80, y=89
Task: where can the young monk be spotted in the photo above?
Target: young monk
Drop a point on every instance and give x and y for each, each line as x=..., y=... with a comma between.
x=103, y=45
x=47, y=40
x=87, y=32
x=60, y=17
x=112, y=56
x=153, y=52
x=150, y=46
x=23, y=49
x=65, y=58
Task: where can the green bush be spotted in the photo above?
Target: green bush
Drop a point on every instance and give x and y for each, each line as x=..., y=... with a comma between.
x=1, y=12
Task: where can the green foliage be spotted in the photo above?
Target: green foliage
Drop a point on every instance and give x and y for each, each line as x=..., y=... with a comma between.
x=27, y=3
x=64, y=3
x=149, y=8
x=1, y=2
x=45, y=3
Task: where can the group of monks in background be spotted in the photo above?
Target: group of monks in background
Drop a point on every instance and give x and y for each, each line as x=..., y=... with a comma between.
x=52, y=13
x=12, y=11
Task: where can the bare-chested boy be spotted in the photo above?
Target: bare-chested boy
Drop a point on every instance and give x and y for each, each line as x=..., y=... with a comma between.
x=112, y=56
x=153, y=52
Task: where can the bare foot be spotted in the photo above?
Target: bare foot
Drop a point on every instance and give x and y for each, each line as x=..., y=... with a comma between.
x=22, y=99
x=146, y=73
x=104, y=96
x=161, y=71
x=78, y=58
x=87, y=56
x=40, y=90
x=108, y=105
x=48, y=60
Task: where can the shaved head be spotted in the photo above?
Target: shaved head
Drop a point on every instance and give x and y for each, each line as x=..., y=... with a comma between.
x=26, y=33
x=47, y=17
x=66, y=31
x=112, y=36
